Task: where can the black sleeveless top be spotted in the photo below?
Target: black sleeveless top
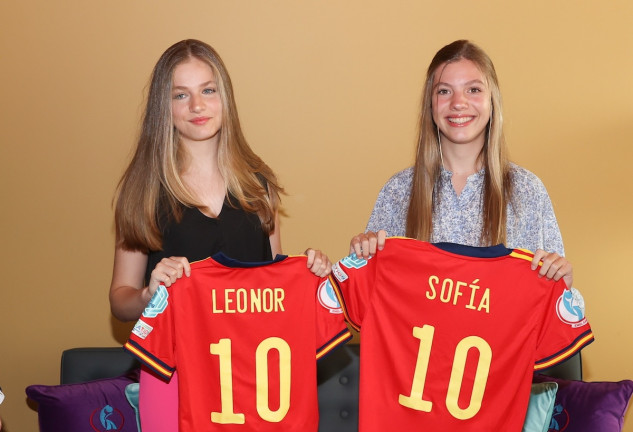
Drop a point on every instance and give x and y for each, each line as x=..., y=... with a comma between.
x=235, y=232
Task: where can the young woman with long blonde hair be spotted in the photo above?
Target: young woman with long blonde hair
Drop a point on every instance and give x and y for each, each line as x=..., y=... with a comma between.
x=462, y=188
x=193, y=188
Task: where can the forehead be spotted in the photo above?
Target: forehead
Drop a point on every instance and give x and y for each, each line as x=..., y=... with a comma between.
x=192, y=71
x=458, y=72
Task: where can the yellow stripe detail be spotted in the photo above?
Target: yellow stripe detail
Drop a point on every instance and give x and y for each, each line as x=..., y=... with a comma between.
x=339, y=296
x=524, y=257
x=527, y=251
x=148, y=360
x=520, y=256
x=200, y=260
x=345, y=312
x=568, y=353
x=333, y=344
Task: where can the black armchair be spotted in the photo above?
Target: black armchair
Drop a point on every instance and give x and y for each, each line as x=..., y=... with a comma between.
x=338, y=377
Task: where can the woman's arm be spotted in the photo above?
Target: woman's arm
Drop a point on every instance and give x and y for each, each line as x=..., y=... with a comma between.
x=392, y=204
x=128, y=294
x=554, y=265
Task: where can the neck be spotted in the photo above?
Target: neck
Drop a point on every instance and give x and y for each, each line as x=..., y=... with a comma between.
x=200, y=157
x=202, y=177
x=461, y=159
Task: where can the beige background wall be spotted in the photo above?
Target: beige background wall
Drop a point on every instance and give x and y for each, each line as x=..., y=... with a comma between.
x=328, y=94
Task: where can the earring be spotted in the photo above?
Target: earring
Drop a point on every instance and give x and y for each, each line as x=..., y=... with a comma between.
x=439, y=143
x=489, y=129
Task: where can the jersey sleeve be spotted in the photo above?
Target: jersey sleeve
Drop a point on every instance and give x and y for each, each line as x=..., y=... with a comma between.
x=331, y=330
x=151, y=340
x=565, y=329
x=353, y=280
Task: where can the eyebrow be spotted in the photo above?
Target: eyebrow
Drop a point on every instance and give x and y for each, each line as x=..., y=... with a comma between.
x=475, y=81
x=201, y=85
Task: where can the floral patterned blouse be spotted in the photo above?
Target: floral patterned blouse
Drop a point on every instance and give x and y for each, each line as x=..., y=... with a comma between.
x=531, y=223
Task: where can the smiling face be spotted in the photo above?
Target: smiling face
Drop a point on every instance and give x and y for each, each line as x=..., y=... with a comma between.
x=195, y=102
x=461, y=103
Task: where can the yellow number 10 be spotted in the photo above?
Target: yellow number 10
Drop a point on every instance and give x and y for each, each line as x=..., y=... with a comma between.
x=228, y=416
x=415, y=400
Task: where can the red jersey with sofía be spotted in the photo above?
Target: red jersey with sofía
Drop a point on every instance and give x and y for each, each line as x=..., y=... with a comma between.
x=451, y=335
x=245, y=339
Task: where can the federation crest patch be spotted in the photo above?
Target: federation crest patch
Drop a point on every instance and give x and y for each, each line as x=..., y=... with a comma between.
x=353, y=262
x=157, y=304
x=570, y=308
x=327, y=297
x=142, y=329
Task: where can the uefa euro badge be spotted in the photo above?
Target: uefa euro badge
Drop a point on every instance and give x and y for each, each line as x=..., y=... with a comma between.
x=157, y=304
x=327, y=297
x=571, y=308
x=352, y=261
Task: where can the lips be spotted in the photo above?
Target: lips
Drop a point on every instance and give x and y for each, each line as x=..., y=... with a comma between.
x=199, y=120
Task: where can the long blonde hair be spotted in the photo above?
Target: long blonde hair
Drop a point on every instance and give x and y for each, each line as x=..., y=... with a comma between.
x=152, y=180
x=427, y=169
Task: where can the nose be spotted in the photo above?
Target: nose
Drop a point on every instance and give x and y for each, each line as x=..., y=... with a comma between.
x=459, y=101
x=196, y=104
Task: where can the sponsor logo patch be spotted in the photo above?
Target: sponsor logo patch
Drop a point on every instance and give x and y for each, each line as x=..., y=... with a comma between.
x=338, y=273
x=327, y=297
x=353, y=262
x=142, y=329
x=570, y=308
x=158, y=303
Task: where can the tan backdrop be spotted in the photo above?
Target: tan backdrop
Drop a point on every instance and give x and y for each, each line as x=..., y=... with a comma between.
x=328, y=94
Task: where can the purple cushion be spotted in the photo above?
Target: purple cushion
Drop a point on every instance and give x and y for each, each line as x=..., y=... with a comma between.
x=582, y=406
x=98, y=405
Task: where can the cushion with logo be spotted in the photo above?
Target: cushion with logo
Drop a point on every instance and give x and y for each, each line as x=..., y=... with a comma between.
x=583, y=406
x=99, y=405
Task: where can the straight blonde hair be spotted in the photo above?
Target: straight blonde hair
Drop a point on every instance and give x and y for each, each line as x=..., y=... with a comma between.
x=497, y=190
x=152, y=183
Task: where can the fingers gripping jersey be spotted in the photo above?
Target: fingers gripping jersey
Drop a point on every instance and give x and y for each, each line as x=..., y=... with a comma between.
x=450, y=340
x=245, y=340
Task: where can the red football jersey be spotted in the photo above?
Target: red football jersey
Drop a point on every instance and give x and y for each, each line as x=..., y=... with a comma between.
x=245, y=339
x=450, y=340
